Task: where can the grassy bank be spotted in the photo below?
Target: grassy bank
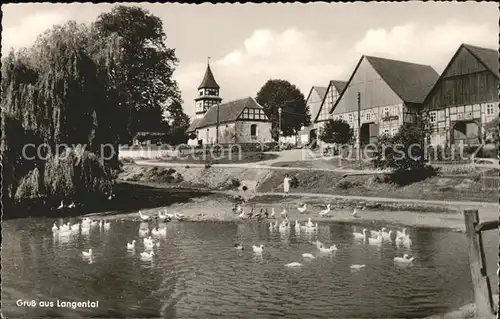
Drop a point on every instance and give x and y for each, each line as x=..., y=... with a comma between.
x=464, y=188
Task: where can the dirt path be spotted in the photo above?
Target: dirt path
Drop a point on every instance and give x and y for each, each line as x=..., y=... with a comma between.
x=257, y=165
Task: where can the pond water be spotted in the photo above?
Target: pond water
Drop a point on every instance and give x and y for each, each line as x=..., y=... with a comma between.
x=197, y=273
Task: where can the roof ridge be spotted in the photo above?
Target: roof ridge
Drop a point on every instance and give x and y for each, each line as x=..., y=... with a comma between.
x=478, y=47
x=393, y=60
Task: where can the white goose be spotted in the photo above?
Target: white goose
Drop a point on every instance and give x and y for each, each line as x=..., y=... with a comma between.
x=360, y=235
x=375, y=241
x=283, y=212
x=325, y=212
x=147, y=255
x=148, y=240
x=162, y=216
x=272, y=213
x=387, y=236
x=294, y=264
x=149, y=245
x=309, y=223
x=402, y=234
x=61, y=206
x=308, y=256
x=94, y=223
x=297, y=226
x=374, y=233
x=72, y=205
x=155, y=232
x=143, y=232
x=179, y=216
x=284, y=226
x=241, y=215
x=75, y=227
x=131, y=245
x=355, y=213
x=144, y=217
x=87, y=253
x=302, y=208
x=273, y=226
x=404, y=260
x=328, y=250
x=258, y=249
x=64, y=227
x=404, y=241
x=107, y=225
x=55, y=229
x=357, y=267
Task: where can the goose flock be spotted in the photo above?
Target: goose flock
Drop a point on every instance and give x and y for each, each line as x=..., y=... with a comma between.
x=266, y=214
x=367, y=237
x=151, y=236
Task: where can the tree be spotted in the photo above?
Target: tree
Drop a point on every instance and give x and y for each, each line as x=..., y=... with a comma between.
x=59, y=91
x=144, y=73
x=178, y=123
x=295, y=112
x=404, y=153
x=336, y=131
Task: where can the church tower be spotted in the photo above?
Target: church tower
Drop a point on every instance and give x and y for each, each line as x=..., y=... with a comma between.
x=208, y=94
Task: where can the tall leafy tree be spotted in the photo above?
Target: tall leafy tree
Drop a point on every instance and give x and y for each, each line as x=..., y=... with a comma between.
x=295, y=112
x=144, y=73
x=336, y=131
x=59, y=91
x=178, y=123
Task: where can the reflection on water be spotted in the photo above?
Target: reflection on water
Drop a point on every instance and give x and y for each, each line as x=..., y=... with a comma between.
x=196, y=272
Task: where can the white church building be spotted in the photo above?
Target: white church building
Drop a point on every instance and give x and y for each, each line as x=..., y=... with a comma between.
x=239, y=121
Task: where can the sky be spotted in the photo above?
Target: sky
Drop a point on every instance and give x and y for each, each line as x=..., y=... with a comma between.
x=306, y=44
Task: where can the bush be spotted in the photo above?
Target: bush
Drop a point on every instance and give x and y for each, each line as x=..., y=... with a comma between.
x=179, y=178
x=171, y=171
x=294, y=182
x=344, y=184
x=208, y=165
x=403, y=178
x=187, y=166
x=235, y=182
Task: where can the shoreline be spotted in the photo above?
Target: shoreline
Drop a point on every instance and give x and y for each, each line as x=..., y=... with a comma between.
x=442, y=217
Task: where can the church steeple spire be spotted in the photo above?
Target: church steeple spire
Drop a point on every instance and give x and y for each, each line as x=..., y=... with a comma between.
x=208, y=93
x=208, y=81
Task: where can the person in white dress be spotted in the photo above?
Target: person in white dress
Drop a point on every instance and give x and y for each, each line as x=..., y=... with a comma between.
x=286, y=185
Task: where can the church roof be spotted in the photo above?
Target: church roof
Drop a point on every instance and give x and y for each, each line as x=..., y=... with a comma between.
x=410, y=81
x=228, y=112
x=208, y=80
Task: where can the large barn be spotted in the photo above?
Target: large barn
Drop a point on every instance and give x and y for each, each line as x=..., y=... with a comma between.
x=390, y=93
x=239, y=122
x=465, y=98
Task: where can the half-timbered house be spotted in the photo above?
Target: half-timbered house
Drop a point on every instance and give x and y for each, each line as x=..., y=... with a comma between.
x=386, y=93
x=465, y=97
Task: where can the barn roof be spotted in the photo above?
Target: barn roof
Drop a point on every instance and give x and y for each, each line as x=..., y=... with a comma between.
x=228, y=112
x=488, y=57
x=410, y=81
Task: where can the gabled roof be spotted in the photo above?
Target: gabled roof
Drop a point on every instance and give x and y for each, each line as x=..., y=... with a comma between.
x=228, y=112
x=194, y=124
x=208, y=80
x=321, y=90
x=488, y=57
x=339, y=86
x=410, y=81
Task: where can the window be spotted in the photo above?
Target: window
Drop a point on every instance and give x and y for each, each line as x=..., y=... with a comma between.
x=368, y=116
x=253, y=131
x=394, y=131
x=432, y=116
x=340, y=117
x=441, y=116
x=386, y=131
x=350, y=118
x=490, y=110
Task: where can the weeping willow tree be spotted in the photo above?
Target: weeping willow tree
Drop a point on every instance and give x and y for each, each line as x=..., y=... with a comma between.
x=59, y=92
